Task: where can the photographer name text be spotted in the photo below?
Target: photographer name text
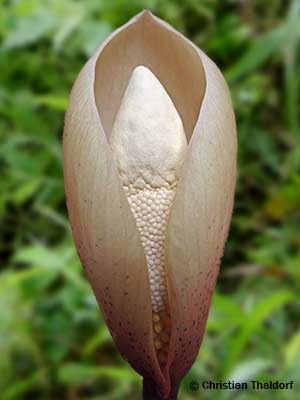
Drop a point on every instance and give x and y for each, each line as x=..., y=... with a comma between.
x=256, y=385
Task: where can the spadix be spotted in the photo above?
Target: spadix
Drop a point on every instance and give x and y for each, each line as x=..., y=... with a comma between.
x=149, y=145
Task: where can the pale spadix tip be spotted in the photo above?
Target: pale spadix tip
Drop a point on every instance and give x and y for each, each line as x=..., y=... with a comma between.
x=148, y=133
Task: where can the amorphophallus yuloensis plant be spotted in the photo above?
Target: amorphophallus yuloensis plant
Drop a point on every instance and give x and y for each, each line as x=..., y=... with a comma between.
x=149, y=151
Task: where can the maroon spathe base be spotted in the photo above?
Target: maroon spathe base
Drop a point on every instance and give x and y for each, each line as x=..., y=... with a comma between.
x=150, y=392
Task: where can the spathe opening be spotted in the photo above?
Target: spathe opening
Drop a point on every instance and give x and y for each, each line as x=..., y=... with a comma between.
x=150, y=42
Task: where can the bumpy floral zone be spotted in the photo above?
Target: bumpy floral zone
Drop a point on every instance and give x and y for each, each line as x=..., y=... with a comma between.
x=151, y=208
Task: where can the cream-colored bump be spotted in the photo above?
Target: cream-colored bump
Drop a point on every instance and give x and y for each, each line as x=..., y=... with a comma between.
x=149, y=145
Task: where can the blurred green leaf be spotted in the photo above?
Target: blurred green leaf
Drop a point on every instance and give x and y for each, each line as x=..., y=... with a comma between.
x=38, y=255
x=92, y=35
x=20, y=389
x=259, y=52
x=56, y=102
x=248, y=370
x=97, y=341
x=26, y=190
x=292, y=79
x=292, y=350
x=252, y=322
x=77, y=374
x=29, y=29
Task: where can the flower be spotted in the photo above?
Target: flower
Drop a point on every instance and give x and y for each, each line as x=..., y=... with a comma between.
x=151, y=253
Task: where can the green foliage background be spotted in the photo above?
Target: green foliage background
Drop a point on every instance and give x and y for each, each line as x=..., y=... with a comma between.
x=53, y=342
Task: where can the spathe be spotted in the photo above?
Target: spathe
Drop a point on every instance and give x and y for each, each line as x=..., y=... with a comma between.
x=104, y=230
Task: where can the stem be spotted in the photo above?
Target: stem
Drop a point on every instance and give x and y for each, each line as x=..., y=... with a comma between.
x=150, y=392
